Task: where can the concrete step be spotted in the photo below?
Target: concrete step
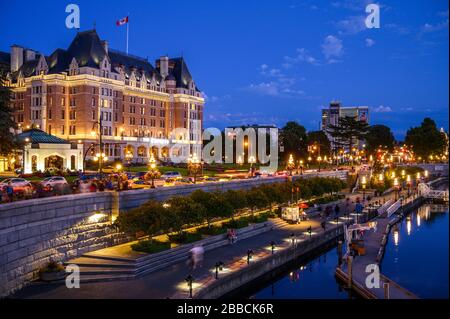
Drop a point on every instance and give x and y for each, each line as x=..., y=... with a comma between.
x=90, y=271
x=105, y=277
x=96, y=267
x=114, y=258
x=98, y=262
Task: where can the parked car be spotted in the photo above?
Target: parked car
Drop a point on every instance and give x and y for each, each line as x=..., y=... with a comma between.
x=137, y=184
x=171, y=175
x=18, y=184
x=53, y=181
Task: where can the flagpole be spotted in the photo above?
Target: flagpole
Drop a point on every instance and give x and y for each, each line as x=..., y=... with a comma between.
x=128, y=22
x=127, y=37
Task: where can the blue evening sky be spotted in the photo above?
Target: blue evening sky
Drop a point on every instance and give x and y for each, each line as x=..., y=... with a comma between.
x=269, y=62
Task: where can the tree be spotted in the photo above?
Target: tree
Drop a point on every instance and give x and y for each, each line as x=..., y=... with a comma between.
x=9, y=142
x=213, y=205
x=321, y=139
x=348, y=131
x=182, y=211
x=379, y=136
x=150, y=218
x=426, y=139
x=256, y=198
x=237, y=199
x=294, y=139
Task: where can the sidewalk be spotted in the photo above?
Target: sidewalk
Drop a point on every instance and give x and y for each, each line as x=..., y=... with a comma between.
x=169, y=282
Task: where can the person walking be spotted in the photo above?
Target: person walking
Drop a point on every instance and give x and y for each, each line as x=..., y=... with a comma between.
x=336, y=210
x=10, y=192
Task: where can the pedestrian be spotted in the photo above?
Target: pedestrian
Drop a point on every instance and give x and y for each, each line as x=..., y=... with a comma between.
x=323, y=224
x=196, y=254
x=93, y=187
x=229, y=236
x=10, y=192
x=328, y=211
x=101, y=186
x=336, y=210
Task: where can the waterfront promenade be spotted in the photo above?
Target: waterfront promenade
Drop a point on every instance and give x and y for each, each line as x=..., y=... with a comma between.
x=374, y=242
x=170, y=282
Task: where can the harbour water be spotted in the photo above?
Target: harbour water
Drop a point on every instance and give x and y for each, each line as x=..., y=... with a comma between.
x=416, y=257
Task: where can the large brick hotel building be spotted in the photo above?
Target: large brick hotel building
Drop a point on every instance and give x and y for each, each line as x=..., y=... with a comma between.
x=140, y=106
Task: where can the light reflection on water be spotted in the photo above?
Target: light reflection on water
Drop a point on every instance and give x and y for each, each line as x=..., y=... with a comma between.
x=311, y=280
x=416, y=255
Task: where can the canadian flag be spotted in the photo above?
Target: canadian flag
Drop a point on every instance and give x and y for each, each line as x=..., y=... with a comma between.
x=122, y=21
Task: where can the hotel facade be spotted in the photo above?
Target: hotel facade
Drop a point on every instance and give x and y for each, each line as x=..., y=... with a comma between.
x=90, y=90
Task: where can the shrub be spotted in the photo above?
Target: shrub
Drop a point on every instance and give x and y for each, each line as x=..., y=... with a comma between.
x=237, y=223
x=185, y=237
x=52, y=266
x=151, y=247
x=213, y=230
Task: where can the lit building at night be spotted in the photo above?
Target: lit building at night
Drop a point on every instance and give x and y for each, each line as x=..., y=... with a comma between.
x=89, y=90
x=331, y=116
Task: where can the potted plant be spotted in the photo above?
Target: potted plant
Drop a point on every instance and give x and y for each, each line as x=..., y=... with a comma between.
x=52, y=272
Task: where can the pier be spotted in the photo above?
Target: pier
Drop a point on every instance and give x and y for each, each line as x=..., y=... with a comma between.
x=354, y=269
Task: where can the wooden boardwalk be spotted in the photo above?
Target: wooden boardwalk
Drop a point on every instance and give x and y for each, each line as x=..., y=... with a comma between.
x=374, y=242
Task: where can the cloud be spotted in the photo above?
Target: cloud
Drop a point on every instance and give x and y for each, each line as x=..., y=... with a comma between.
x=351, y=25
x=302, y=56
x=429, y=28
x=358, y=5
x=382, y=109
x=332, y=47
x=401, y=30
x=369, y=42
x=265, y=88
x=406, y=109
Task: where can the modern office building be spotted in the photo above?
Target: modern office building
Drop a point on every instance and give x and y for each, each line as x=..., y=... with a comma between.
x=89, y=90
x=336, y=111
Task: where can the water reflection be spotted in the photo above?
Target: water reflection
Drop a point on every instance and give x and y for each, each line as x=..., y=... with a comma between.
x=423, y=250
x=312, y=279
x=396, y=237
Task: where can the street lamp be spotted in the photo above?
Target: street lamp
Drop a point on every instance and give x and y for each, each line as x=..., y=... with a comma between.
x=301, y=167
x=252, y=161
x=27, y=140
x=290, y=165
x=118, y=167
x=153, y=172
x=397, y=188
x=128, y=156
x=194, y=166
x=426, y=175
x=319, y=159
x=408, y=182
x=380, y=177
x=363, y=183
x=100, y=133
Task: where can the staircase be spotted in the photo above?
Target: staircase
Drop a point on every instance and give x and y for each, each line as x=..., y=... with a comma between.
x=96, y=267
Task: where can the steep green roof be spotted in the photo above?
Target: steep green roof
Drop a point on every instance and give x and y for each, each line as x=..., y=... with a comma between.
x=38, y=136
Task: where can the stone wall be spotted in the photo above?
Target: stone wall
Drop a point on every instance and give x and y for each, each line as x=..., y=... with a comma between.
x=34, y=232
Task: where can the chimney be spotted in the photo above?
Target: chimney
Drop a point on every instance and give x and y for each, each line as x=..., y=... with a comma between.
x=16, y=57
x=164, y=66
x=30, y=55
x=105, y=45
